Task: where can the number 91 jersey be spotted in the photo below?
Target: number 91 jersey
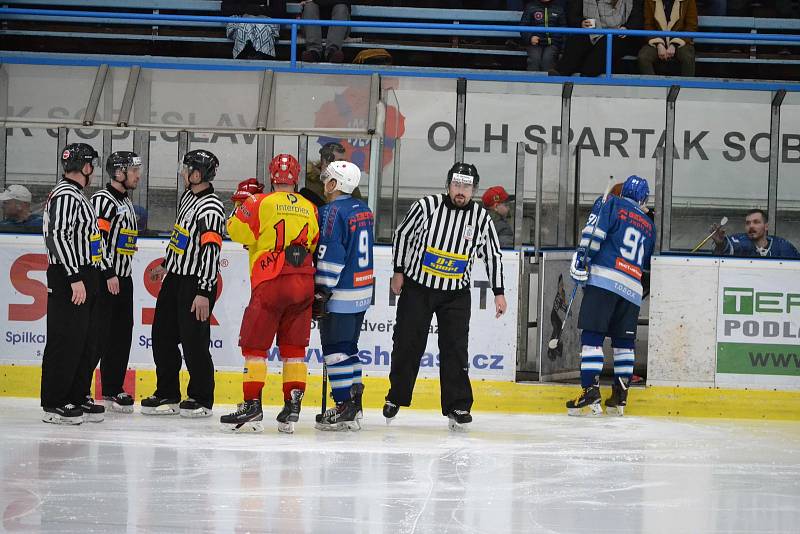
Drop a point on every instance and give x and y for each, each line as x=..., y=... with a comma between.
x=620, y=246
x=344, y=255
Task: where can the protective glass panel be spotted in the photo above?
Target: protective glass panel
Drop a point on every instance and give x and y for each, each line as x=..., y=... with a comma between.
x=386, y=211
x=42, y=92
x=303, y=101
x=787, y=224
x=721, y=165
x=165, y=182
x=356, y=150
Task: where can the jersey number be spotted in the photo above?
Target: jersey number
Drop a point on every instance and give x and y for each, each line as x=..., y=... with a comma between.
x=280, y=235
x=363, y=249
x=632, y=248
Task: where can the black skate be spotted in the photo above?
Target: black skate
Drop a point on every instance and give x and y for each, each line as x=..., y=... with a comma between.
x=290, y=413
x=589, y=398
x=458, y=419
x=319, y=416
x=121, y=402
x=357, y=391
x=153, y=405
x=340, y=418
x=192, y=409
x=248, y=418
x=94, y=413
x=615, y=405
x=390, y=409
x=68, y=414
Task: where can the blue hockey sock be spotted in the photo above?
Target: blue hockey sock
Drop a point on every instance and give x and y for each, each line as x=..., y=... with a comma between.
x=340, y=375
x=356, y=361
x=623, y=362
x=591, y=365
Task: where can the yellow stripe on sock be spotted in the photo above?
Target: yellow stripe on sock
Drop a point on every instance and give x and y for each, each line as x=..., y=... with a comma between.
x=255, y=369
x=295, y=371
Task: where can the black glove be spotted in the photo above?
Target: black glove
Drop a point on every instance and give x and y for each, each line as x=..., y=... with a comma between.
x=319, y=308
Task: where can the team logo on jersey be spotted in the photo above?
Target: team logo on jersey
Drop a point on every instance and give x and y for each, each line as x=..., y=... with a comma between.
x=538, y=15
x=469, y=233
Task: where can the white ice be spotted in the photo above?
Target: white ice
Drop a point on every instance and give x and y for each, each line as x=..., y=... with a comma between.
x=511, y=473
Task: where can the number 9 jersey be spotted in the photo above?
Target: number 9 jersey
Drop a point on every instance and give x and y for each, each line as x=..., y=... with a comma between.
x=344, y=257
x=619, y=247
x=271, y=226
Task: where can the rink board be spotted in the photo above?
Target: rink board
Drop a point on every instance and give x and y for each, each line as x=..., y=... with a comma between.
x=500, y=396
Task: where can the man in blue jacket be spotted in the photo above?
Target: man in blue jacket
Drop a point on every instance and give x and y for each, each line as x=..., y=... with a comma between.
x=754, y=242
x=543, y=47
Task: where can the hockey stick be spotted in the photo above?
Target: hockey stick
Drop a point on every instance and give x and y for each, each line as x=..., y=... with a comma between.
x=553, y=343
x=722, y=223
x=324, y=387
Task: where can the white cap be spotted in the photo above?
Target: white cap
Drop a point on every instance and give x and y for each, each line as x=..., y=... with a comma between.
x=346, y=174
x=16, y=192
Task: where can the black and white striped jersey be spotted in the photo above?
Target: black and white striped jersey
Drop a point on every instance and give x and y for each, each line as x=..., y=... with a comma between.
x=70, y=230
x=116, y=220
x=437, y=243
x=196, y=240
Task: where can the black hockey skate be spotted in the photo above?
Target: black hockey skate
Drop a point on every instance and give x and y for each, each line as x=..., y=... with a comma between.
x=615, y=405
x=192, y=409
x=153, y=405
x=94, y=413
x=357, y=391
x=458, y=419
x=121, y=402
x=390, y=409
x=248, y=418
x=340, y=418
x=589, y=398
x=290, y=413
x=68, y=414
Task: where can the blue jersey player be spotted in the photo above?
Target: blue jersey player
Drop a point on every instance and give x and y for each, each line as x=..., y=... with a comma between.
x=615, y=250
x=344, y=281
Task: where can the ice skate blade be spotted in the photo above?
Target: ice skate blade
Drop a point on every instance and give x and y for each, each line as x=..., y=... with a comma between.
x=347, y=426
x=118, y=408
x=389, y=420
x=616, y=411
x=56, y=419
x=455, y=427
x=592, y=410
x=286, y=428
x=94, y=417
x=196, y=414
x=251, y=427
x=164, y=409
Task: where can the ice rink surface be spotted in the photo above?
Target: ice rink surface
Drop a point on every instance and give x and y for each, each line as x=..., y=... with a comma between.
x=510, y=473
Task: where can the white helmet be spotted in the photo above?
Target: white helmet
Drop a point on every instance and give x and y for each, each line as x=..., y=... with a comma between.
x=346, y=174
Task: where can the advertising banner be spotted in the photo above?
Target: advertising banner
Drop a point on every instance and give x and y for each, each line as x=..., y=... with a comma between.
x=758, y=324
x=23, y=290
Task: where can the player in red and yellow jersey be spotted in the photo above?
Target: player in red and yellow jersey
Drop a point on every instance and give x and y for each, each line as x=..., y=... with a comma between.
x=280, y=231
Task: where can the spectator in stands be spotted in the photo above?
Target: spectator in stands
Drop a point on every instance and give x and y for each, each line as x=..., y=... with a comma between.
x=754, y=242
x=669, y=15
x=586, y=54
x=543, y=48
x=496, y=200
x=333, y=10
x=250, y=41
x=314, y=189
x=17, y=216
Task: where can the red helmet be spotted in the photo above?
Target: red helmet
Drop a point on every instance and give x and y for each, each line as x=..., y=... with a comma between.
x=284, y=169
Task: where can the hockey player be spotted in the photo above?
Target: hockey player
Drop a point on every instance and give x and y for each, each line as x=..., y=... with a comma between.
x=188, y=293
x=344, y=282
x=755, y=242
x=113, y=317
x=433, y=252
x=615, y=249
x=280, y=231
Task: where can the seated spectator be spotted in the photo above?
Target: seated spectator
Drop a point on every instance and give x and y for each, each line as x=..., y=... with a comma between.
x=250, y=41
x=17, y=216
x=682, y=18
x=314, y=189
x=754, y=242
x=332, y=10
x=543, y=48
x=586, y=54
x=496, y=200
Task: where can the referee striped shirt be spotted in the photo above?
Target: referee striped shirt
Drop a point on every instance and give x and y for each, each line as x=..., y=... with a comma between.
x=116, y=220
x=196, y=239
x=70, y=230
x=437, y=243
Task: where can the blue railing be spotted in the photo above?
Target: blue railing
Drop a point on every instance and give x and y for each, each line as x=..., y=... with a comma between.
x=9, y=13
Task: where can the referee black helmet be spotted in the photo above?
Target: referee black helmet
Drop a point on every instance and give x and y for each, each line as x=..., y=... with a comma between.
x=463, y=169
x=76, y=155
x=203, y=161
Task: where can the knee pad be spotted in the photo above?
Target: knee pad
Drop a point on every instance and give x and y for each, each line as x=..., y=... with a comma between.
x=592, y=339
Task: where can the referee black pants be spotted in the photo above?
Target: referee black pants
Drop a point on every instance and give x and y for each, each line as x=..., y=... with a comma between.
x=415, y=309
x=113, y=319
x=174, y=323
x=71, y=340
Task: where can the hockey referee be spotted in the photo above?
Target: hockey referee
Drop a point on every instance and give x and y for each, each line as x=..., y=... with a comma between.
x=188, y=293
x=74, y=257
x=433, y=252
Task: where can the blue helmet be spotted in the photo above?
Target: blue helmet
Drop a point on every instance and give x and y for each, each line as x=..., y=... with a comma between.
x=636, y=189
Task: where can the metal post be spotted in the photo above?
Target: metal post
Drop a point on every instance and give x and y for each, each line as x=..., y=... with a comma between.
x=774, y=159
x=461, y=118
x=127, y=100
x=519, y=191
x=293, y=57
x=609, y=55
x=576, y=196
x=265, y=147
x=659, y=197
x=141, y=145
x=94, y=97
x=264, y=99
x=302, y=158
x=669, y=156
x=3, y=130
x=395, y=184
x=376, y=155
x=183, y=148
x=62, y=142
x=374, y=99
x=537, y=228
x=108, y=111
x=563, y=171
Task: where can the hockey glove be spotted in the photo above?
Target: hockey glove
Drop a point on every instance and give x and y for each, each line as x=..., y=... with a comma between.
x=319, y=308
x=246, y=189
x=579, y=267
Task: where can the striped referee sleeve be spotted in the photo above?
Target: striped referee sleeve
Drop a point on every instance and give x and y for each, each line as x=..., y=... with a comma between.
x=105, y=210
x=493, y=256
x=211, y=225
x=402, y=245
x=61, y=233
